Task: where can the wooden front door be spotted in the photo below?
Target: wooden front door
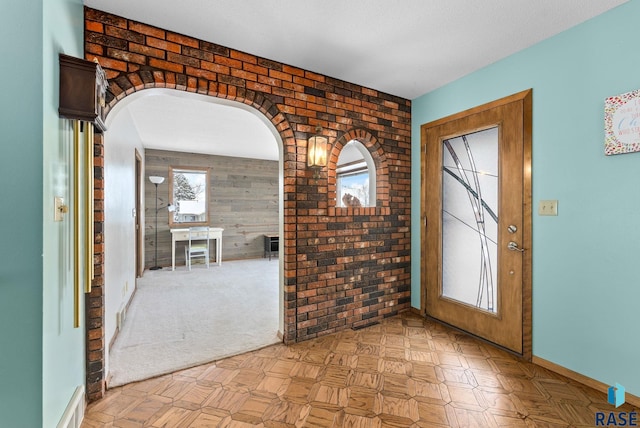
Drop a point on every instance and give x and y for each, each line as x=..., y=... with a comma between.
x=476, y=237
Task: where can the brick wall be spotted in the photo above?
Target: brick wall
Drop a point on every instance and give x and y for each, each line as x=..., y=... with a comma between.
x=343, y=267
x=94, y=301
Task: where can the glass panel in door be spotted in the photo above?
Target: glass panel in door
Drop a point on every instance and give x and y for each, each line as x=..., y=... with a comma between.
x=470, y=219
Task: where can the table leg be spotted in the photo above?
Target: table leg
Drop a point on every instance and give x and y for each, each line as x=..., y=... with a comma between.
x=173, y=253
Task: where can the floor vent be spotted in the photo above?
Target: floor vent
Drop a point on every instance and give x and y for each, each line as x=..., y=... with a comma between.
x=74, y=413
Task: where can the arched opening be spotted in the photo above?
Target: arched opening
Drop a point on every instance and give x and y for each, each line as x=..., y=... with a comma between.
x=358, y=151
x=324, y=291
x=119, y=145
x=355, y=177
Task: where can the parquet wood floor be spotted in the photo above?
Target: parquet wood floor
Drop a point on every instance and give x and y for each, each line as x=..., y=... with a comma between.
x=404, y=372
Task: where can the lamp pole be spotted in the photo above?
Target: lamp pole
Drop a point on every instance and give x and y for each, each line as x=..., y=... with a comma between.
x=156, y=180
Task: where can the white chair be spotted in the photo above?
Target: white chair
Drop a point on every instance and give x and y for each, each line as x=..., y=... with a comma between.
x=198, y=245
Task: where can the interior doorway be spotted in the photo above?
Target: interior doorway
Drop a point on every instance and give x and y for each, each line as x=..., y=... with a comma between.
x=139, y=259
x=115, y=142
x=476, y=235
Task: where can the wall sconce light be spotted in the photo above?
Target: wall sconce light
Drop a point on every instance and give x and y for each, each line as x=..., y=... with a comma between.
x=317, y=152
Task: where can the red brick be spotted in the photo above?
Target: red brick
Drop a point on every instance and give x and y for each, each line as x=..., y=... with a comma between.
x=126, y=56
x=192, y=84
x=146, y=29
x=163, y=44
x=197, y=53
x=93, y=48
x=244, y=75
x=112, y=64
x=183, y=40
x=136, y=81
x=198, y=72
x=280, y=75
x=243, y=57
x=229, y=62
x=165, y=65
x=158, y=77
x=184, y=60
x=96, y=27
x=293, y=70
x=217, y=68
x=121, y=33
x=314, y=76
x=147, y=50
x=255, y=69
x=105, y=18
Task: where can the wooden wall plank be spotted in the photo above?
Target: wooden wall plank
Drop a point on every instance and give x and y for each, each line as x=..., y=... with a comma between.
x=243, y=199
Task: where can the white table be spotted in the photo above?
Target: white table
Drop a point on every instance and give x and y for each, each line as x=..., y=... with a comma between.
x=183, y=235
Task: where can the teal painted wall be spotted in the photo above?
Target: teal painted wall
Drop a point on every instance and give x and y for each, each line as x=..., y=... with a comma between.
x=41, y=355
x=21, y=261
x=63, y=345
x=586, y=275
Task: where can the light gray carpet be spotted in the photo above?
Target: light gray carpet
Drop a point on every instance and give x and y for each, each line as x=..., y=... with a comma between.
x=179, y=319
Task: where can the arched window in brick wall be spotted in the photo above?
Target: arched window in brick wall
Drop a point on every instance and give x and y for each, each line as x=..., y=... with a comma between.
x=358, y=152
x=355, y=177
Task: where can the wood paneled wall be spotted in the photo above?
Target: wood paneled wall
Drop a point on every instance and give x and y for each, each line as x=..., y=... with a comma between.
x=243, y=200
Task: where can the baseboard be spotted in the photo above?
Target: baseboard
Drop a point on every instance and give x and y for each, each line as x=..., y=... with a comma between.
x=126, y=308
x=416, y=311
x=115, y=334
x=585, y=380
x=74, y=413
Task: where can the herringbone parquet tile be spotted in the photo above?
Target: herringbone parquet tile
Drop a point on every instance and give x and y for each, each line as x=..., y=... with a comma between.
x=404, y=372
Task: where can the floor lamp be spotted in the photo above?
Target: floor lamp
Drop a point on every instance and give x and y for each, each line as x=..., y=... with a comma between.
x=156, y=180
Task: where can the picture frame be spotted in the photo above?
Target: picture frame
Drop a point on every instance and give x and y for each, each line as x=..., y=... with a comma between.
x=622, y=123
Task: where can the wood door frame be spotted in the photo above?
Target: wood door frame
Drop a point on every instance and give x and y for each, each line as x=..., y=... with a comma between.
x=139, y=238
x=526, y=98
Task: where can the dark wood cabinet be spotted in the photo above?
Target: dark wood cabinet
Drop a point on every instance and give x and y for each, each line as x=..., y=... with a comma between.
x=271, y=245
x=83, y=88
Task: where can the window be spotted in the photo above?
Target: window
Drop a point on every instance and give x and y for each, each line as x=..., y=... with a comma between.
x=189, y=196
x=355, y=177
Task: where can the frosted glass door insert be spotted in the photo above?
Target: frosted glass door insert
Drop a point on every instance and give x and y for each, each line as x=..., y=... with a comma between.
x=470, y=219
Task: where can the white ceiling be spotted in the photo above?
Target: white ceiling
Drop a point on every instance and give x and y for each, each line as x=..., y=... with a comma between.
x=166, y=119
x=405, y=48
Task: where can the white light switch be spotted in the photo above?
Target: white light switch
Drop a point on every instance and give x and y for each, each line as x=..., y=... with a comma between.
x=59, y=208
x=548, y=207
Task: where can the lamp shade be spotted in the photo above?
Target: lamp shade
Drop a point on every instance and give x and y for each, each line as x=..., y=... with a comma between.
x=317, y=151
x=156, y=179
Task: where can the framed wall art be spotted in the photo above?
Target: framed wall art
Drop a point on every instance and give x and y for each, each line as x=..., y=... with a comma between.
x=622, y=123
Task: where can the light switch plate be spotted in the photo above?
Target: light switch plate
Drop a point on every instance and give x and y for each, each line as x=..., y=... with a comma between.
x=548, y=207
x=59, y=208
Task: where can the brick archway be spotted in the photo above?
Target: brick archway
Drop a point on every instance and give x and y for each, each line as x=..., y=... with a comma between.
x=139, y=81
x=342, y=269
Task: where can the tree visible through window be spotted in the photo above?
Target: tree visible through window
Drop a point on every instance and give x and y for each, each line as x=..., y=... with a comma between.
x=189, y=196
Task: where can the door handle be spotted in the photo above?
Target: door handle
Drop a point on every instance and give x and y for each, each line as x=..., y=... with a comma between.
x=513, y=246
